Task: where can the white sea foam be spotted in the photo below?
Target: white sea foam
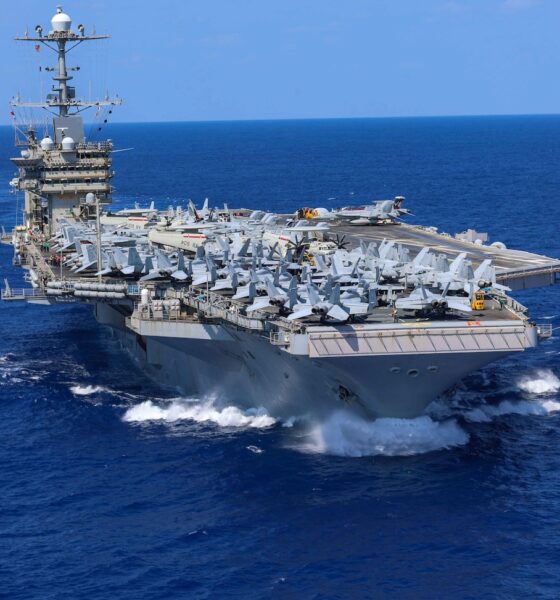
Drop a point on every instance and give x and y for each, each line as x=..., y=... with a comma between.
x=178, y=410
x=87, y=390
x=255, y=449
x=487, y=412
x=344, y=434
x=542, y=381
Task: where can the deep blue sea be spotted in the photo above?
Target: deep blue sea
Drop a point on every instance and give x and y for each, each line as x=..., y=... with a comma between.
x=112, y=487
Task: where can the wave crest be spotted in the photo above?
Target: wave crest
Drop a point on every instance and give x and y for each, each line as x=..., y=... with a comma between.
x=542, y=381
x=87, y=390
x=486, y=412
x=200, y=412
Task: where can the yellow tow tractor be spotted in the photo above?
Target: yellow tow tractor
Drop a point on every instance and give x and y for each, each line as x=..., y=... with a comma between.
x=477, y=303
x=307, y=213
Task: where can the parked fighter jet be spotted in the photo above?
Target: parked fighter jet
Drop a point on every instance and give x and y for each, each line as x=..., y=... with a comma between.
x=276, y=297
x=422, y=300
x=160, y=266
x=317, y=305
x=382, y=211
x=88, y=258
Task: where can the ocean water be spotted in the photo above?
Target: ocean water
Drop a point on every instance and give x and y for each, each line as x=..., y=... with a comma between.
x=112, y=487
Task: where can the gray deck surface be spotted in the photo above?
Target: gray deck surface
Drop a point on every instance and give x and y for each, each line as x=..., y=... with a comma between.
x=416, y=238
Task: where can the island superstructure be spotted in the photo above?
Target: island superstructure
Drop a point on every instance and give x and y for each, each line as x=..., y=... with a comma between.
x=341, y=309
x=58, y=170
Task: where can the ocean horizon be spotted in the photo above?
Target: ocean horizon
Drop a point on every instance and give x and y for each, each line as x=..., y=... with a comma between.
x=296, y=119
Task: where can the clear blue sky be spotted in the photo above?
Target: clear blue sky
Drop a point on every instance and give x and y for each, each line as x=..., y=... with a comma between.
x=273, y=59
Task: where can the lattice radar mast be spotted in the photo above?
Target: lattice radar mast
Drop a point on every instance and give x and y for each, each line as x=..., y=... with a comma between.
x=61, y=40
x=58, y=172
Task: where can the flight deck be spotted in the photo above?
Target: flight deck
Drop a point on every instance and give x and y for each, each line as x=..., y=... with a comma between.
x=517, y=269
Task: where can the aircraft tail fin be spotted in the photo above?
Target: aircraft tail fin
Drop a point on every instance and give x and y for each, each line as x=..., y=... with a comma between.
x=418, y=259
x=149, y=264
x=271, y=288
x=314, y=297
x=457, y=262
x=482, y=269
x=335, y=295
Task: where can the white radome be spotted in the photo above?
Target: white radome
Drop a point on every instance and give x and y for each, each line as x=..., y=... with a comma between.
x=47, y=143
x=61, y=21
x=322, y=212
x=68, y=143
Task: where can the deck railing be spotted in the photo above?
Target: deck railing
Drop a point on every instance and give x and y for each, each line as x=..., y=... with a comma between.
x=163, y=310
x=9, y=293
x=544, y=330
x=209, y=306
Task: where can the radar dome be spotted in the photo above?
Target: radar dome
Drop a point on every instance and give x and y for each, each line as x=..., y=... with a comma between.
x=90, y=198
x=68, y=143
x=322, y=212
x=61, y=21
x=498, y=245
x=47, y=143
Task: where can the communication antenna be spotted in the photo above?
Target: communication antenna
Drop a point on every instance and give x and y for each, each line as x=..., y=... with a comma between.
x=61, y=40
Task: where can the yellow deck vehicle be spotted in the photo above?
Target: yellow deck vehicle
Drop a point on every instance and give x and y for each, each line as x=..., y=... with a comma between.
x=477, y=303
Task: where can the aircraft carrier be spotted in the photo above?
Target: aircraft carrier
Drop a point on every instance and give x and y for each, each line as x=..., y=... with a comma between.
x=301, y=314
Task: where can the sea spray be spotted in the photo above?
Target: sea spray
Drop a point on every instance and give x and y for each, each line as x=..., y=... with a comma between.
x=345, y=434
x=198, y=411
x=486, y=412
x=542, y=381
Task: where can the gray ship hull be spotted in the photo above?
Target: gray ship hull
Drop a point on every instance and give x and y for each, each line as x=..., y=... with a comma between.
x=238, y=367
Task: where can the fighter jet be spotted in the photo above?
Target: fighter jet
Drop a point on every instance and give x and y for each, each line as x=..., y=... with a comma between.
x=316, y=305
x=382, y=211
x=276, y=297
x=422, y=300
